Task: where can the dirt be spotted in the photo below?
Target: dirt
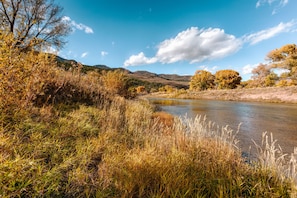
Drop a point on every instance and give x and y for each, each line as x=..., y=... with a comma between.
x=270, y=94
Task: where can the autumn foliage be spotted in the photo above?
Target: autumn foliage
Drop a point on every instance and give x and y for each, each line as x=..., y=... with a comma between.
x=24, y=75
x=202, y=80
x=223, y=79
x=227, y=79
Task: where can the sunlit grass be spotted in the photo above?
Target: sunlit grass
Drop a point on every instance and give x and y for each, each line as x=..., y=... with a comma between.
x=74, y=138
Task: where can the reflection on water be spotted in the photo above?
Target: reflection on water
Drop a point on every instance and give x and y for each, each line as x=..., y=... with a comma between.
x=255, y=118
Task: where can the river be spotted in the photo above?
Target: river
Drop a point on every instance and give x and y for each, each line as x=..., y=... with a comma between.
x=255, y=118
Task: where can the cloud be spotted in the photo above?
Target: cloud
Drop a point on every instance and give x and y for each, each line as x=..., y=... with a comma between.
x=84, y=54
x=279, y=4
x=78, y=26
x=139, y=59
x=209, y=69
x=248, y=68
x=269, y=33
x=196, y=45
x=104, y=53
x=192, y=45
x=50, y=49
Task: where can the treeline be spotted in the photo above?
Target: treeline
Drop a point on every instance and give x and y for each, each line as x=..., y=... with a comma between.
x=282, y=61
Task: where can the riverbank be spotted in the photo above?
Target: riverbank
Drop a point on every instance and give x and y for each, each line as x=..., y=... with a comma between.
x=268, y=94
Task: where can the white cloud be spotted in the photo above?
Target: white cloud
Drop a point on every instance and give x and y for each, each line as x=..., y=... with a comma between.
x=78, y=26
x=84, y=54
x=196, y=45
x=104, y=53
x=269, y=33
x=191, y=45
x=50, y=49
x=248, y=68
x=209, y=69
x=281, y=3
x=139, y=59
x=277, y=4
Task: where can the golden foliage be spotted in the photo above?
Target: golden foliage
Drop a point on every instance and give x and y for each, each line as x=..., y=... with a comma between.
x=23, y=74
x=115, y=82
x=285, y=58
x=202, y=80
x=227, y=79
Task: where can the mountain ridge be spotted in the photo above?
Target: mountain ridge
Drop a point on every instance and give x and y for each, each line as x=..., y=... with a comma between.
x=174, y=80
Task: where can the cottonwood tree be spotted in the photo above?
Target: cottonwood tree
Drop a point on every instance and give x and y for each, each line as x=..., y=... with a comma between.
x=227, y=79
x=202, y=80
x=285, y=58
x=260, y=73
x=33, y=22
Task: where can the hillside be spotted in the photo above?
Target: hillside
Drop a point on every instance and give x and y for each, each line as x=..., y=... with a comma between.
x=148, y=77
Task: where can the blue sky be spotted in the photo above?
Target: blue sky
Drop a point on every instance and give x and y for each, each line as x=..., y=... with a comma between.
x=178, y=36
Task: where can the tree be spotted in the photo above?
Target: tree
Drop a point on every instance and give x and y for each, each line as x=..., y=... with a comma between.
x=285, y=58
x=202, y=80
x=260, y=75
x=271, y=79
x=33, y=22
x=227, y=79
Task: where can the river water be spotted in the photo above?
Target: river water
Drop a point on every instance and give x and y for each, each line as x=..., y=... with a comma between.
x=255, y=118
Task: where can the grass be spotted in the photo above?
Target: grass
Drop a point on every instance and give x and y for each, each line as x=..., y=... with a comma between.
x=87, y=153
x=267, y=94
x=74, y=138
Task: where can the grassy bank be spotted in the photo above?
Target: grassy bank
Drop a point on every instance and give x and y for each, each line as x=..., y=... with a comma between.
x=267, y=94
x=70, y=134
x=126, y=151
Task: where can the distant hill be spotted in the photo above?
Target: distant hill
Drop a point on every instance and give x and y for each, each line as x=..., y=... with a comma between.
x=174, y=80
x=165, y=79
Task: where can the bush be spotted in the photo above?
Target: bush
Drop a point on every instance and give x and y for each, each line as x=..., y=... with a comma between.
x=24, y=74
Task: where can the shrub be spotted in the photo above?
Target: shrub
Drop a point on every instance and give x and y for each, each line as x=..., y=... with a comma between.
x=24, y=74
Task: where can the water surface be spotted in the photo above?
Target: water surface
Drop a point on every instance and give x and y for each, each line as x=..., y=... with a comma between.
x=255, y=118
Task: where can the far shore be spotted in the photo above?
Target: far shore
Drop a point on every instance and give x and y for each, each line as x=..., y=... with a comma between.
x=268, y=94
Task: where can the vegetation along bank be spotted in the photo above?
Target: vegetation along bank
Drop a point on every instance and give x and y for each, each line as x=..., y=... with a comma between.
x=67, y=130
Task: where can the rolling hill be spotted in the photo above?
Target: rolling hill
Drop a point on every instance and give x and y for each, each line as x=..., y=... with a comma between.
x=146, y=77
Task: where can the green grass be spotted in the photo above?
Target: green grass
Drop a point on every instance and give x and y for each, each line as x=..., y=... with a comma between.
x=120, y=151
x=67, y=134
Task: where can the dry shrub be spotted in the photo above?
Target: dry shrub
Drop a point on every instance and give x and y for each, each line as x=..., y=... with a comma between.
x=115, y=82
x=23, y=74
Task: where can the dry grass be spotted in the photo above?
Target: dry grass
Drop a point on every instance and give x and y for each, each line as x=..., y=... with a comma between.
x=268, y=94
x=76, y=139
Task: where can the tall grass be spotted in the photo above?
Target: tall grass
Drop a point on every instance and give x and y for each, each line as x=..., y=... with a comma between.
x=75, y=138
x=270, y=156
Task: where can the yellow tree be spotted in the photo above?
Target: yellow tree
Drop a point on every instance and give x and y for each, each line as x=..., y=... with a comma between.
x=202, y=80
x=227, y=79
x=285, y=58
